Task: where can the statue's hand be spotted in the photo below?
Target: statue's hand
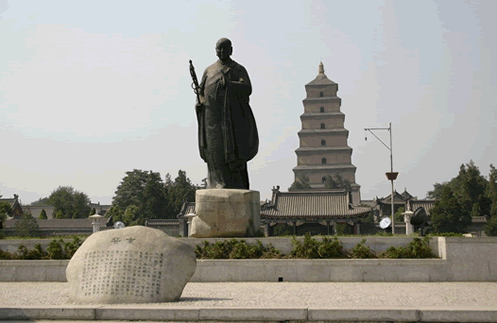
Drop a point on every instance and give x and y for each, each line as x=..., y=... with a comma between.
x=225, y=81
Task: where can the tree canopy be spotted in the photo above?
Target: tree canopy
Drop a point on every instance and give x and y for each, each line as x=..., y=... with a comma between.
x=69, y=203
x=336, y=182
x=5, y=209
x=491, y=192
x=459, y=199
x=436, y=193
x=26, y=226
x=447, y=214
x=143, y=195
x=40, y=202
x=300, y=183
x=180, y=191
x=43, y=215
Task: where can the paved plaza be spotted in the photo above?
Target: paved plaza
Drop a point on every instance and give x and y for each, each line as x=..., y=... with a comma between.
x=285, y=294
x=452, y=301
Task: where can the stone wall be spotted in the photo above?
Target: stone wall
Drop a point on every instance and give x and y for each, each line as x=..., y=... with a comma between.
x=461, y=259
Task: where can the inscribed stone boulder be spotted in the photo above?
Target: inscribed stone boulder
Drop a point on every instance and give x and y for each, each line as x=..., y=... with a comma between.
x=131, y=265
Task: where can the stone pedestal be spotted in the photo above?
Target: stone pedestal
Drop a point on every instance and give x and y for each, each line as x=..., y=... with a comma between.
x=225, y=213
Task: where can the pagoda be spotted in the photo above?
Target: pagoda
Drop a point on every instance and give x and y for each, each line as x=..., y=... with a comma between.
x=323, y=139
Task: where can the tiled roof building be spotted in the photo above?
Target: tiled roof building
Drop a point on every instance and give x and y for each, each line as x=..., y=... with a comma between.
x=308, y=204
x=315, y=211
x=17, y=210
x=399, y=200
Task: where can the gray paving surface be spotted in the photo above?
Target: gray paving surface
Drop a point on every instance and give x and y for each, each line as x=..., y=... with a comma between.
x=226, y=295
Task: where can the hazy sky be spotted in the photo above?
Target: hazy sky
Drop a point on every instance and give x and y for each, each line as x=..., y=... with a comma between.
x=92, y=89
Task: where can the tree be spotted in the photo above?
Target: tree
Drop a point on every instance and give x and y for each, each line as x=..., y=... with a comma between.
x=399, y=216
x=437, y=191
x=93, y=211
x=300, y=183
x=132, y=216
x=154, y=197
x=5, y=209
x=469, y=188
x=150, y=196
x=115, y=213
x=40, y=202
x=491, y=227
x=180, y=191
x=447, y=215
x=130, y=190
x=70, y=203
x=26, y=226
x=336, y=183
x=43, y=215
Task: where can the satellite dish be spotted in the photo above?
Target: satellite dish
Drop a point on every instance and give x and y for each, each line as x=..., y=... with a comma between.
x=385, y=223
x=419, y=216
x=119, y=225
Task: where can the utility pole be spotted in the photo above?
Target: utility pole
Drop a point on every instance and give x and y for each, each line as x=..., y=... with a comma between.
x=391, y=176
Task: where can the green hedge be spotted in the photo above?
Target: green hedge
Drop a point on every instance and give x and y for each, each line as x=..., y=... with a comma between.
x=309, y=248
x=56, y=249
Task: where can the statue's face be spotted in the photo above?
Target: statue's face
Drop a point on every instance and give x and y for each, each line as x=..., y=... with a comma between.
x=224, y=50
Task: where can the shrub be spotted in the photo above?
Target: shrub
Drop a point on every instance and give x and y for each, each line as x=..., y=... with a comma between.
x=21, y=252
x=70, y=248
x=43, y=215
x=37, y=253
x=282, y=230
x=55, y=249
x=332, y=248
x=417, y=248
x=5, y=255
x=312, y=249
x=24, y=253
x=360, y=250
x=235, y=249
x=26, y=226
x=344, y=229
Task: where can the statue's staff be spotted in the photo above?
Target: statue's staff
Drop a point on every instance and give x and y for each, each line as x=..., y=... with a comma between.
x=195, y=86
x=198, y=107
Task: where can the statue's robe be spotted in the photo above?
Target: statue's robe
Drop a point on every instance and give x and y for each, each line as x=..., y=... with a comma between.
x=228, y=136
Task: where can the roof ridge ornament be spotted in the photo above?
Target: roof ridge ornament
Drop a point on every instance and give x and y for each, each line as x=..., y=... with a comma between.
x=321, y=68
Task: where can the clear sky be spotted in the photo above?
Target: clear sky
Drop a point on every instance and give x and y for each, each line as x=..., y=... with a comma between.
x=92, y=89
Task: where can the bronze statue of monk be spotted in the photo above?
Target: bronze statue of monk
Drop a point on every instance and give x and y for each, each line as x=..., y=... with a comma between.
x=227, y=135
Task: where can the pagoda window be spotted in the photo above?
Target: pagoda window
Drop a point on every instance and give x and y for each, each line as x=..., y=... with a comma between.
x=323, y=160
x=323, y=142
x=322, y=126
x=321, y=94
x=321, y=109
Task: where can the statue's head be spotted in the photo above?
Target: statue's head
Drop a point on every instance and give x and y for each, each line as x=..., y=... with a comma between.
x=224, y=49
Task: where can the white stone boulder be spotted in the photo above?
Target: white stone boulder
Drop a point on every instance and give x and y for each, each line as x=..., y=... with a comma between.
x=225, y=213
x=131, y=265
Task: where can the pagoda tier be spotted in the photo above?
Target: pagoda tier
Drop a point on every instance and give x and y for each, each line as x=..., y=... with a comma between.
x=323, y=141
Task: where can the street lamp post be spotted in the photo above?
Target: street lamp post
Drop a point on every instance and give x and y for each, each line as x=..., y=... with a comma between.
x=390, y=175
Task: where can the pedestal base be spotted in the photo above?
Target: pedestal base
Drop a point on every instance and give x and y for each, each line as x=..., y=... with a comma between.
x=225, y=213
